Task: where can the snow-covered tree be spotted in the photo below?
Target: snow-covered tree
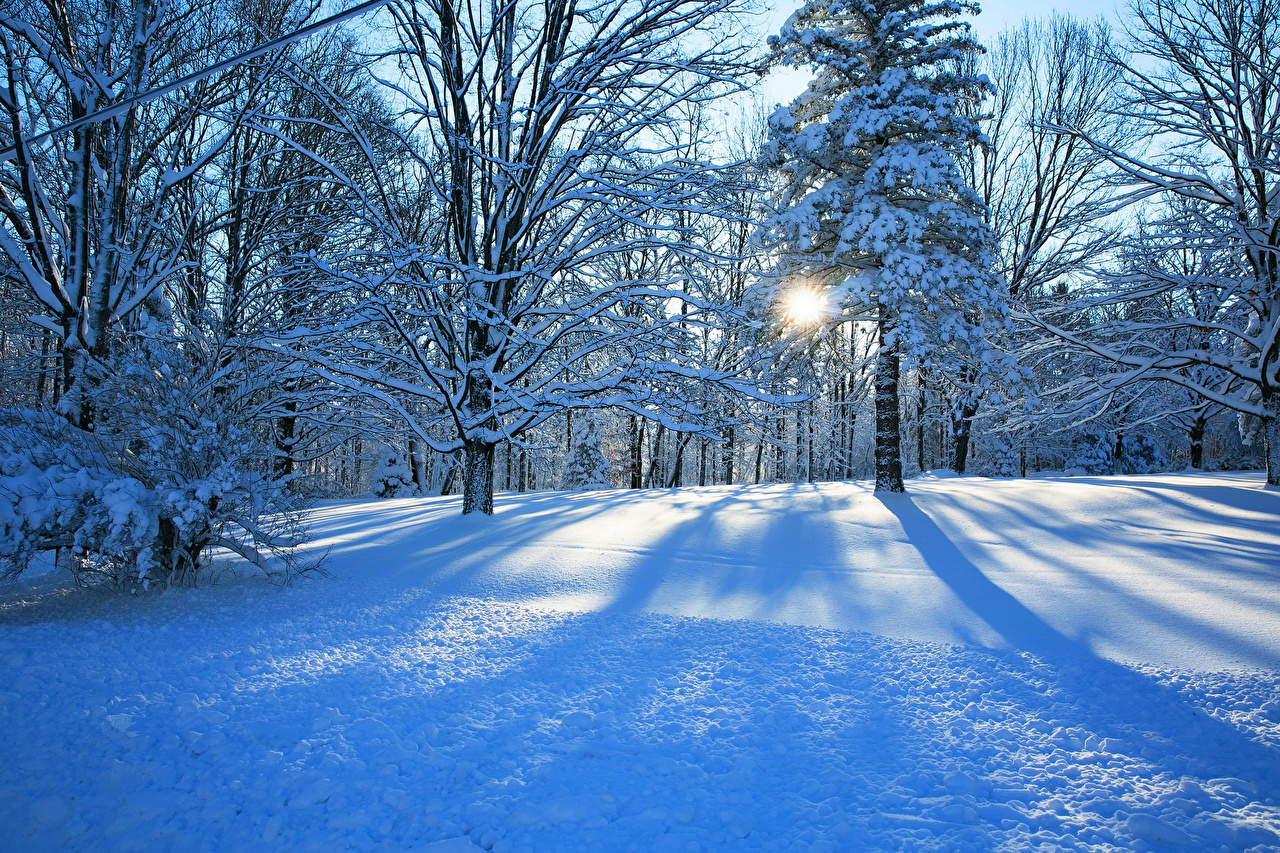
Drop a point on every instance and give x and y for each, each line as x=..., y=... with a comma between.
x=1200, y=93
x=875, y=206
x=541, y=159
x=393, y=477
x=586, y=469
x=173, y=468
x=86, y=222
x=1046, y=192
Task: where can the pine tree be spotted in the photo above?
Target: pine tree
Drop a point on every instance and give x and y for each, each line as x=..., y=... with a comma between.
x=587, y=469
x=393, y=479
x=873, y=204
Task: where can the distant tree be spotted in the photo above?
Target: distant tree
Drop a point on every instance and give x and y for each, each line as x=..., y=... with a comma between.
x=586, y=468
x=1200, y=92
x=1046, y=192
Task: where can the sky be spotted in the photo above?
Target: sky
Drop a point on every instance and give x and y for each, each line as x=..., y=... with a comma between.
x=996, y=15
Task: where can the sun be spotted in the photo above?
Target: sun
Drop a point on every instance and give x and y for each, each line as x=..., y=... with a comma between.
x=805, y=305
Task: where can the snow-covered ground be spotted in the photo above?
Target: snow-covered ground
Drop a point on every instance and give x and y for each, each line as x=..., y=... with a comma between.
x=1073, y=663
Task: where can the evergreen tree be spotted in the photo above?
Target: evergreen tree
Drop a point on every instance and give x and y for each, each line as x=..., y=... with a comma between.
x=587, y=469
x=393, y=478
x=873, y=204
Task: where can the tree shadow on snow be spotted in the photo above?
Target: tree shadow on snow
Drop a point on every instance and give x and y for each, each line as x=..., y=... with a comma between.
x=1206, y=746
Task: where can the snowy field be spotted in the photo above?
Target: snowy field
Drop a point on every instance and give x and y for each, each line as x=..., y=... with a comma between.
x=1087, y=663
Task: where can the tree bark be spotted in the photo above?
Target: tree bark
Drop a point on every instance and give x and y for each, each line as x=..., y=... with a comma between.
x=677, y=474
x=728, y=457
x=286, y=436
x=888, y=418
x=1197, y=443
x=477, y=481
x=637, y=452
x=655, y=453
x=961, y=428
x=477, y=464
x=1271, y=437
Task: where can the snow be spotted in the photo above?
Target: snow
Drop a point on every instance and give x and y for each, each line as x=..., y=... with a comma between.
x=1084, y=663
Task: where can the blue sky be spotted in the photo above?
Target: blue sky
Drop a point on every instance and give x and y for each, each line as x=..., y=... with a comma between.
x=996, y=15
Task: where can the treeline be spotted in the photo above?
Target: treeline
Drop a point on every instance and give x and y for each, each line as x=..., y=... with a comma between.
x=460, y=247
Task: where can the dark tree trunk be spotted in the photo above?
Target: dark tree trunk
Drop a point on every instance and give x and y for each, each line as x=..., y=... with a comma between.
x=1117, y=455
x=637, y=452
x=286, y=436
x=477, y=479
x=888, y=418
x=477, y=463
x=728, y=457
x=677, y=472
x=961, y=429
x=1271, y=435
x=1197, y=442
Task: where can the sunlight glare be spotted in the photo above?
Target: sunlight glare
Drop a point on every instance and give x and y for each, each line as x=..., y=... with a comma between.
x=806, y=305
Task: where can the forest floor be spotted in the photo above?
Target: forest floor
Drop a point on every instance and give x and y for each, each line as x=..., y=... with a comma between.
x=1059, y=663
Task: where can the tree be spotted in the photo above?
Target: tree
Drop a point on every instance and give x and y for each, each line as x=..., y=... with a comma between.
x=87, y=224
x=586, y=469
x=1046, y=192
x=1200, y=89
x=874, y=205
x=537, y=136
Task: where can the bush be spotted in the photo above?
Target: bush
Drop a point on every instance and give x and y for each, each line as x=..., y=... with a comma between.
x=393, y=479
x=1092, y=453
x=172, y=470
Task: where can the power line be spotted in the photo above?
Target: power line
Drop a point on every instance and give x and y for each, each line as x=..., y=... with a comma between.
x=124, y=106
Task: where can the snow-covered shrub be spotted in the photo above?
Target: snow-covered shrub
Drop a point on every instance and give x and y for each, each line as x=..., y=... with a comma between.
x=47, y=486
x=1142, y=454
x=172, y=469
x=1006, y=458
x=393, y=479
x=1092, y=453
x=586, y=469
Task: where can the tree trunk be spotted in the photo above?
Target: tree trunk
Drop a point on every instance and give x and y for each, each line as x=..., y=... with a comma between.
x=637, y=451
x=961, y=427
x=808, y=466
x=1117, y=455
x=416, y=468
x=677, y=473
x=477, y=480
x=286, y=436
x=1197, y=443
x=780, y=452
x=1271, y=444
x=888, y=419
x=764, y=429
x=728, y=457
x=922, y=383
x=654, y=454
x=477, y=464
